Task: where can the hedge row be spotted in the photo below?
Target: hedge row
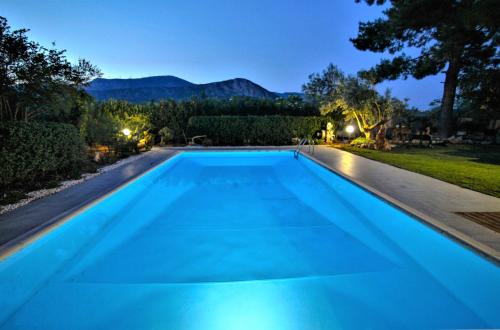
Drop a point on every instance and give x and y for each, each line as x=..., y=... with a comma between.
x=254, y=130
x=31, y=152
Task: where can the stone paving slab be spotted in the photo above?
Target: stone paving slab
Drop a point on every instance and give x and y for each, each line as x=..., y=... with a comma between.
x=24, y=222
x=433, y=198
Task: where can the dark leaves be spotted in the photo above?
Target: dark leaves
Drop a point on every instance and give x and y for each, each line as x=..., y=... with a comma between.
x=375, y=36
x=34, y=78
x=443, y=31
x=371, y=2
x=399, y=67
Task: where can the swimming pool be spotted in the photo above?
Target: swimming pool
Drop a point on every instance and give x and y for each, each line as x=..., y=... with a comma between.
x=245, y=240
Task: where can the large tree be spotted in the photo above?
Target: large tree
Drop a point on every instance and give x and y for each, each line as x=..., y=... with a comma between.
x=480, y=88
x=449, y=35
x=35, y=80
x=352, y=97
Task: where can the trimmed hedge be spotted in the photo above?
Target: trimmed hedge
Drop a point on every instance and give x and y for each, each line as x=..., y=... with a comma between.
x=254, y=130
x=35, y=151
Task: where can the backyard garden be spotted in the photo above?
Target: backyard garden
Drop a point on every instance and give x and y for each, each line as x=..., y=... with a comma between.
x=52, y=130
x=170, y=191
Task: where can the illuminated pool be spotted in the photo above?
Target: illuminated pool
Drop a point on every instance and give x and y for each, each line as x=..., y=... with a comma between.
x=245, y=240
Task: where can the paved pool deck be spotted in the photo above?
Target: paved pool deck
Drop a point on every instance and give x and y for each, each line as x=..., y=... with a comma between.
x=431, y=200
x=26, y=221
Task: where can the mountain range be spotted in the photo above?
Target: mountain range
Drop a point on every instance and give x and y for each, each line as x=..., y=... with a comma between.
x=138, y=90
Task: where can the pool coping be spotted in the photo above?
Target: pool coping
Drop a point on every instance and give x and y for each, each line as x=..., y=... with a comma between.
x=39, y=231
x=457, y=236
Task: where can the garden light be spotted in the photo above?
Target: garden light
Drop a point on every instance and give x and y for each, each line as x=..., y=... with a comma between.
x=126, y=132
x=349, y=129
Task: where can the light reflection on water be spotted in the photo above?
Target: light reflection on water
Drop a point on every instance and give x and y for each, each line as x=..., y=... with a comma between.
x=246, y=241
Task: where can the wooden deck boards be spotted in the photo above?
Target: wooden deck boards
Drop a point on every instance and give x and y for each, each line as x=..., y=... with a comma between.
x=490, y=220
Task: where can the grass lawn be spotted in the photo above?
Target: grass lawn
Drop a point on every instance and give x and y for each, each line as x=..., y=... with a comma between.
x=476, y=167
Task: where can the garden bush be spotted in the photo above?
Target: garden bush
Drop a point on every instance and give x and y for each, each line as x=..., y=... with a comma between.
x=102, y=124
x=363, y=142
x=255, y=130
x=32, y=152
x=166, y=135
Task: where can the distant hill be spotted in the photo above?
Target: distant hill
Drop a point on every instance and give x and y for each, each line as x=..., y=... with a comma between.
x=149, y=82
x=140, y=90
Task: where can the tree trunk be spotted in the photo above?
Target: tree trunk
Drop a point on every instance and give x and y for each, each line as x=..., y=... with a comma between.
x=381, y=142
x=367, y=130
x=450, y=89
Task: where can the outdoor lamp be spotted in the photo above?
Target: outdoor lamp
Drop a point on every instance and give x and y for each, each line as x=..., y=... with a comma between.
x=349, y=129
x=126, y=132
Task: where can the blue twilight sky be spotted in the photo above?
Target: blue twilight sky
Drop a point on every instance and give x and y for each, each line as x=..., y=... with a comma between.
x=275, y=43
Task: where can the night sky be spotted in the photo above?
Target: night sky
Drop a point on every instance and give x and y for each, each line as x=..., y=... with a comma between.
x=276, y=44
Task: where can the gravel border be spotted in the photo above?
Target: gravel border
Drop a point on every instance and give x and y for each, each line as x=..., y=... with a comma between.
x=37, y=194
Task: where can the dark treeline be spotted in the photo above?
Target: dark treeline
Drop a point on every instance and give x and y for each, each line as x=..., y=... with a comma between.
x=101, y=121
x=290, y=106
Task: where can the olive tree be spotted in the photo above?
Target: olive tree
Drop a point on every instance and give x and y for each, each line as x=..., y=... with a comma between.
x=355, y=98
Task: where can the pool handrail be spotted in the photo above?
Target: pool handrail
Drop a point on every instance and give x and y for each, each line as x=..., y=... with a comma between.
x=303, y=141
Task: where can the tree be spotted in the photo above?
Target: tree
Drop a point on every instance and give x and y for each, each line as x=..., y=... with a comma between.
x=352, y=97
x=33, y=79
x=176, y=117
x=480, y=89
x=325, y=86
x=102, y=124
x=98, y=126
x=451, y=34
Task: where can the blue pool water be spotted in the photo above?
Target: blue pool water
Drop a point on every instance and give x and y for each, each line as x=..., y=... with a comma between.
x=245, y=240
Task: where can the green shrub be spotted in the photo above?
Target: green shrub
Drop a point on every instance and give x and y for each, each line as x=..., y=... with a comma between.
x=254, y=130
x=363, y=142
x=102, y=124
x=31, y=152
x=98, y=127
x=166, y=135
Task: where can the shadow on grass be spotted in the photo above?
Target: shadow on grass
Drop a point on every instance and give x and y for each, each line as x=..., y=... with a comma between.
x=486, y=154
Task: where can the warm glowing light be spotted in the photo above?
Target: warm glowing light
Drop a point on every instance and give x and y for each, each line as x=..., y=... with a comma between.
x=126, y=132
x=349, y=129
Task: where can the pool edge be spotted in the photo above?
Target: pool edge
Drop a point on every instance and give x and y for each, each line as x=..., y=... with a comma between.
x=453, y=234
x=37, y=232
x=466, y=241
